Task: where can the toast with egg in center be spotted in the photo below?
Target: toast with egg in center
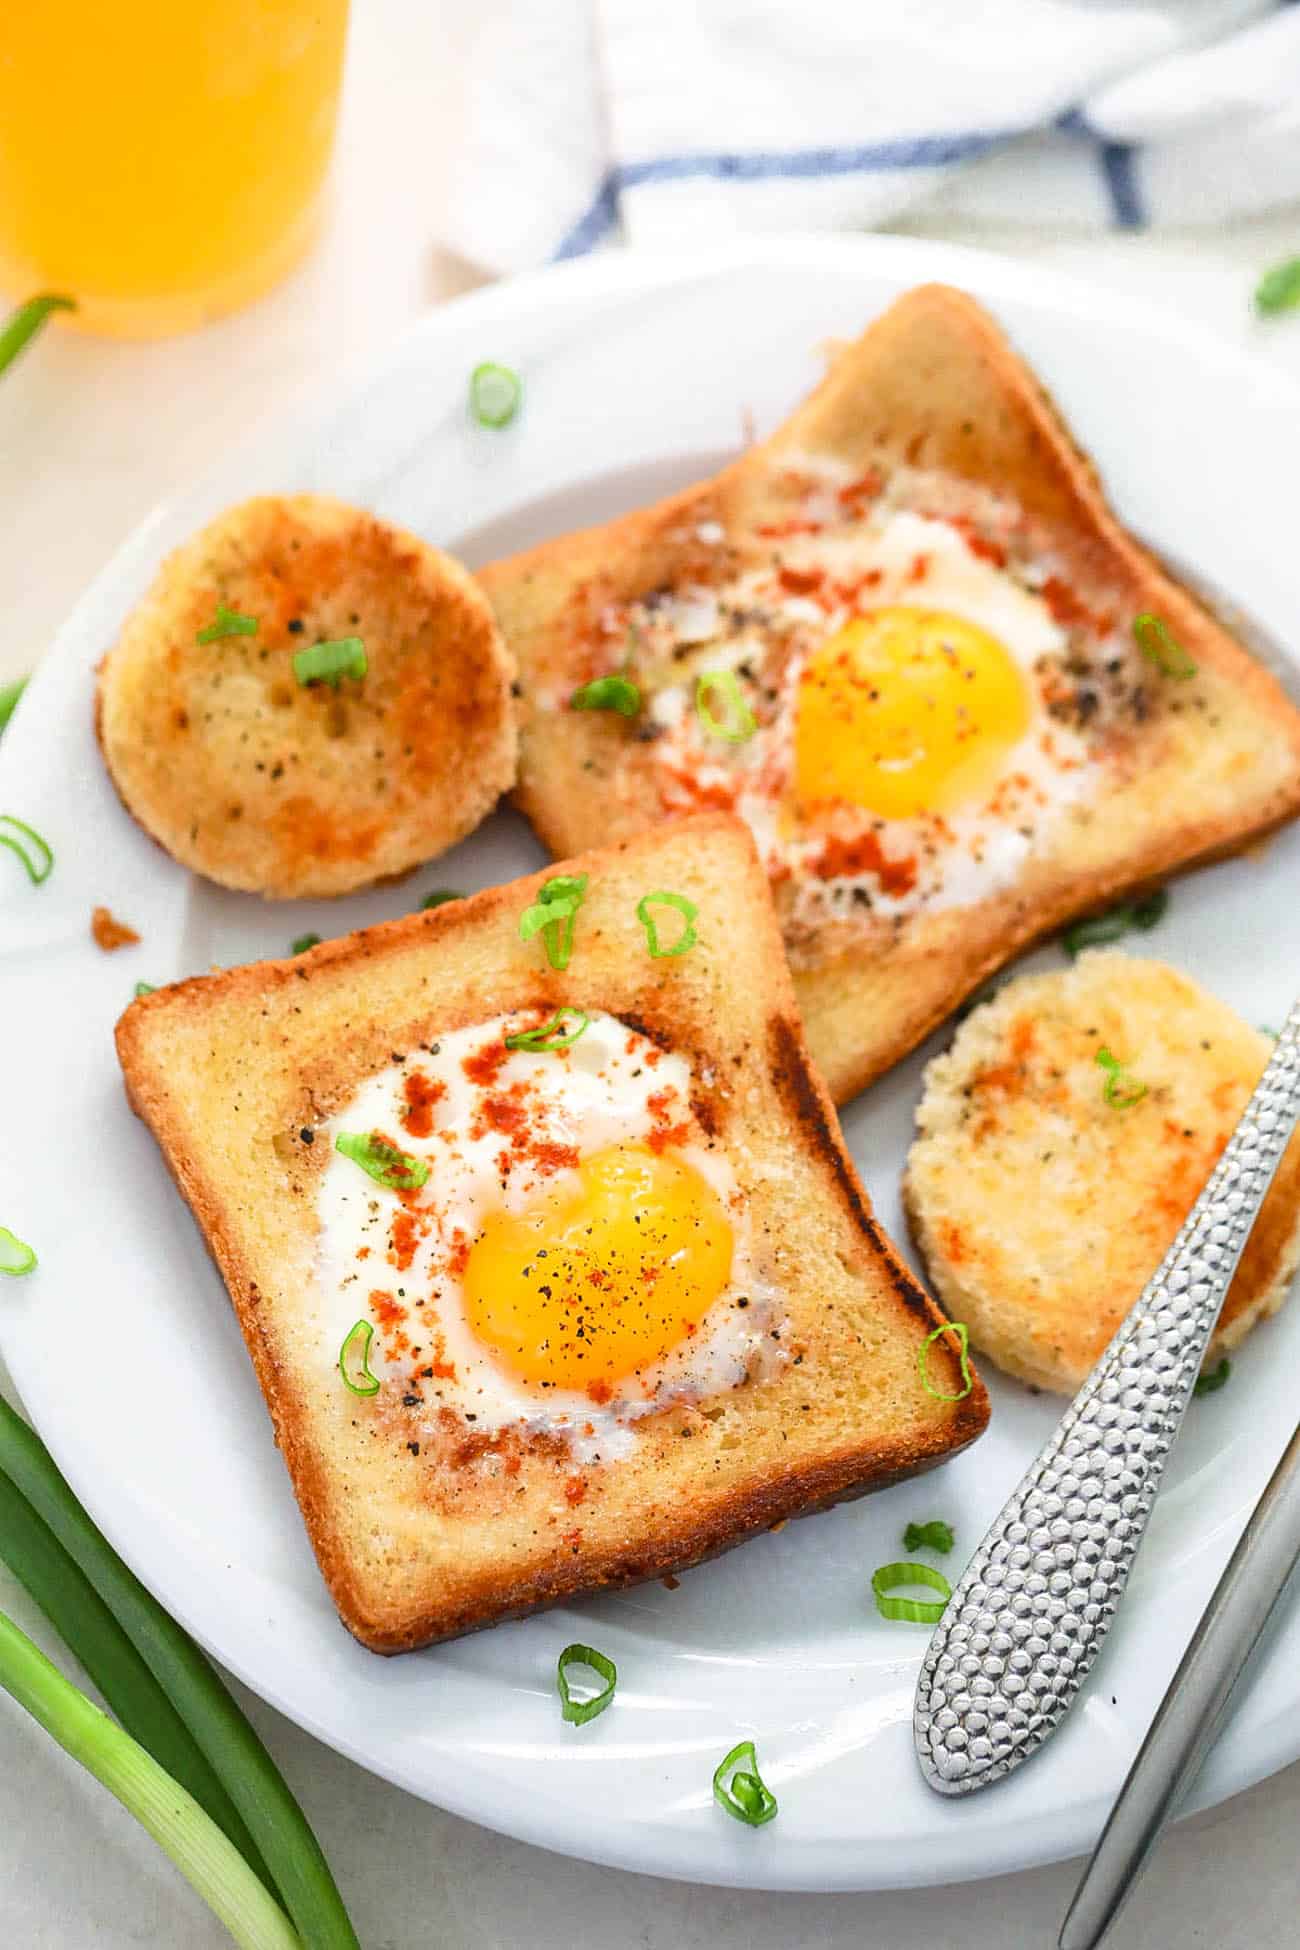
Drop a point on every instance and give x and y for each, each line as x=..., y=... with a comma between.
x=898, y=639
x=543, y=1238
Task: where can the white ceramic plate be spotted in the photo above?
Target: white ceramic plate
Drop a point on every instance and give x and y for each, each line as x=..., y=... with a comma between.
x=639, y=374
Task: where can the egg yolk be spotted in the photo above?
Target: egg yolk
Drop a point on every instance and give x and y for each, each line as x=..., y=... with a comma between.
x=587, y=1286
x=906, y=711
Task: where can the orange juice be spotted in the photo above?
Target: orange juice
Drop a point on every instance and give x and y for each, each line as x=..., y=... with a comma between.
x=162, y=160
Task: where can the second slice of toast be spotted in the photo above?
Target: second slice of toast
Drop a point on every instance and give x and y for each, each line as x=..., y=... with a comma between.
x=433, y=1509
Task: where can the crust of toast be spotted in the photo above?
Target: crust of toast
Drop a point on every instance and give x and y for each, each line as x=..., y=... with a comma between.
x=262, y=783
x=932, y=386
x=1041, y=1210
x=228, y=1070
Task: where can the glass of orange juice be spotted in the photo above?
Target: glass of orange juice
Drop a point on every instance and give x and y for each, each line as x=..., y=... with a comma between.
x=162, y=161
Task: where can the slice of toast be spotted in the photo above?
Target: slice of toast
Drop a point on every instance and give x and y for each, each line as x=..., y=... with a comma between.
x=424, y=1525
x=278, y=786
x=930, y=413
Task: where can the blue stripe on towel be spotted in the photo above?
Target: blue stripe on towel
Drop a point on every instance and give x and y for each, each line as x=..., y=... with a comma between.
x=1118, y=164
x=910, y=152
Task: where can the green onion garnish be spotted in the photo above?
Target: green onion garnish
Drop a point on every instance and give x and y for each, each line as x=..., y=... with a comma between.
x=210, y=1862
x=327, y=663
x=1209, y=1382
x=38, y=869
x=9, y=696
x=737, y=722
x=25, y=321
x=354, y=1358
x=1161, y=647
x=382, y=1160
x=495, y=394
x=189, y=1713
x=613, y=693
x=144, y=988
x=228, y=622
x=1279, y=288
x=1101, y=929
x=1121, y=1090
x=933, y=1536
x=579, y=1711
x=301, y=943
x=914, y=1611
x=688, y=937
x=962, y=1332
x=740, y=1788
x=552, y=915
x=552, y=1034
x=16, y=1256
x=440, y=896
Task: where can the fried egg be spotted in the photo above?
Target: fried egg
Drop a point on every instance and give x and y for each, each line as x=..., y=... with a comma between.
x=579, y=1254
x=909, y=745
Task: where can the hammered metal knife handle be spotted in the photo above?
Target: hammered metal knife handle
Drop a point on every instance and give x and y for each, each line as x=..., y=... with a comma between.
x=1021, y=1630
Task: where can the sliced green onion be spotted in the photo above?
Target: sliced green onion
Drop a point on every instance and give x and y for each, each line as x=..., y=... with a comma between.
x=1161, y=647
x=224, y=1737
x=914, y=1611
x=24, y=323
x=612, y=693
x=553, y=914
x=495, y=394
x=933, y=1536
x=1267, y=1029
x=38, y=869
x=740, y=1788
x=552, y=1034
x=1209, y=1382
x=227, y=622
x=327, y=663
x=354, y=1358
x=9, y=696
x=301, y=943
x=440, y=896
x=1121, y=1090
x=145, y=988
x=382, y=1160
x=1279, y=288
x=210, y=1863
x=578, y=1711
x=1099, y=930
x=90, y=1631
x=688, y=937
x=16, y=1256
x=737, y=722
x=962, y=1332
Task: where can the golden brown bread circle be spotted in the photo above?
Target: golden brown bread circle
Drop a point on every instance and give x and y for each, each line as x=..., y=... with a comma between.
x=1040, y=1208
x=262, y=783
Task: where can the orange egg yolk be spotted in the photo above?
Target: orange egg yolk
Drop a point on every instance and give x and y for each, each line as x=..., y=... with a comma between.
x=906, y=711
x=590, y=1284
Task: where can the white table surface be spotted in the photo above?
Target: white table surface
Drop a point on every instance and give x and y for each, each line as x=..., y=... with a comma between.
x=92, y=434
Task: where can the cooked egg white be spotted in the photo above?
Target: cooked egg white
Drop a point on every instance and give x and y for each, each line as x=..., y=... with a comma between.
x=905, y=754
x=579, y=1254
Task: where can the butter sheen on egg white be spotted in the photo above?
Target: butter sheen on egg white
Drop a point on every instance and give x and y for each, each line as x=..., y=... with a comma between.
x=581, y=1102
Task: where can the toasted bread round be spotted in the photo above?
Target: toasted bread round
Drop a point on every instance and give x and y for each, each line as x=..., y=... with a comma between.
x=1041, y=1208
x=283, y=788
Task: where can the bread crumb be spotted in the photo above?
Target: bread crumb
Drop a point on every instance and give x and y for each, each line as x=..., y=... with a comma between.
x=109, y=933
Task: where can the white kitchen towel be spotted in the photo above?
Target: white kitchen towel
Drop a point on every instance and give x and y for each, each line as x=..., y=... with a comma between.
x=664, y=123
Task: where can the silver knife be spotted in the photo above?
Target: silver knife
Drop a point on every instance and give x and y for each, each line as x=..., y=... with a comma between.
x=1194, y=1708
